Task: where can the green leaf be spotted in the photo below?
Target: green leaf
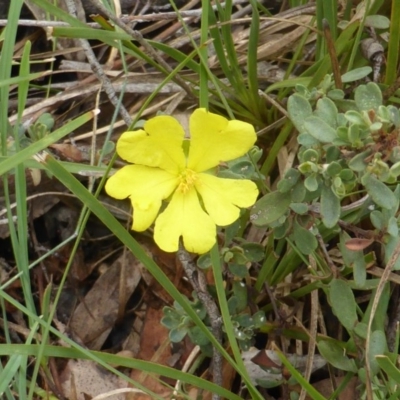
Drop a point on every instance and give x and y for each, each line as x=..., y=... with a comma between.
x=240, y=292
x=359, y=271
x=298, y=193
x=368, y=97
x=311, y=183
x=254, y=252
x=239, y=270
x=176, y=335
x=197, y=336
x=334, y=354
x=355, y=117
x=357, y=163
x=395, y=169
x=377, y=347
x=304, y=239
x=204, y=261
x=269, y=208
x=307, y=140
x=391, y=243
x=333, y=169
x=387, y=365
x=310, y=155
x=379, y=192
x=356, y=74
x=299, y=208
x=327, y=111
x=330, y=207
x=377, y=219
x=320, y=130
x=259, y=319
x=336, y=94
x=361, y=330
x=343, y=303
x=299, y=109
x=290, y=179
x=392, y=227
x=281, y=230
x=394, y=115
x=377, y=21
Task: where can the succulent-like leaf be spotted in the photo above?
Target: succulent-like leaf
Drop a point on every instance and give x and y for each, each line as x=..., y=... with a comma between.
x=378, y=346
x=377, y=21
x=299, y=109
x=330, y=207
x=304, y=239
x=368, y=97
x=334, y=354
x=327, y=111
x=379, y=192
x=343, y=303
x=357, y=163
x=356, y=74
x=270, y=208
x=319, y=129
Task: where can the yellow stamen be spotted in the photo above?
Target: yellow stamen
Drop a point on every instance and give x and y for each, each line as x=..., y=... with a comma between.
x=187, y=177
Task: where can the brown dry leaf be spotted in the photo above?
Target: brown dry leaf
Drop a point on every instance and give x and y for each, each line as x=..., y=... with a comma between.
x=356, y=244
x=69, y=152
x=83, y=377
x=277, y=43
x=154, y=346
x=171, y=268
x=325, y=388
x=94, y=318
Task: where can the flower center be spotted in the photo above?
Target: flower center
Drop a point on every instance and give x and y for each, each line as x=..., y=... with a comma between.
x=187, y=179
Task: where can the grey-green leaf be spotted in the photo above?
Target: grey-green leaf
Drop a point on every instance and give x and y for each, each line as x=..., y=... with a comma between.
x=330, y=207
x=377, y=21
x=343, y=303
x=368, y=97
x=380, y=193
x=270, y=208
x=327, y=111
x=304, y=239
x=377, y=346
x=319, y=129
x=334, y=354
x=356, y=74
x=299, y=109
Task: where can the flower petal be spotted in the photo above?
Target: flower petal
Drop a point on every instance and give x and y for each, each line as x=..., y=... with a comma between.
x=214, y=139
x=223, y=197
x=185, y=217
x=158, y=145
x=146, y=187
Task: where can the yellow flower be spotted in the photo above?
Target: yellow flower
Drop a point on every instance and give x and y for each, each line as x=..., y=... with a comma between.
x=197, y=199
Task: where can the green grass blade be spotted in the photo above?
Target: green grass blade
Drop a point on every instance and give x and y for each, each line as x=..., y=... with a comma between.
x=392, y=60
x=314, y=394
x=203, y=52
x=124, y=236
x=252, y=58
x=43, y=143
x=227, y=321
x=107, y=359
x=9, y=371
x=389, y=367
x=23, y=86
x=20, y=79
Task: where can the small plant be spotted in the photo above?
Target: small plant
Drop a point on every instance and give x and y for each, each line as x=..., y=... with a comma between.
x=348, y=147
x=347, y=172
